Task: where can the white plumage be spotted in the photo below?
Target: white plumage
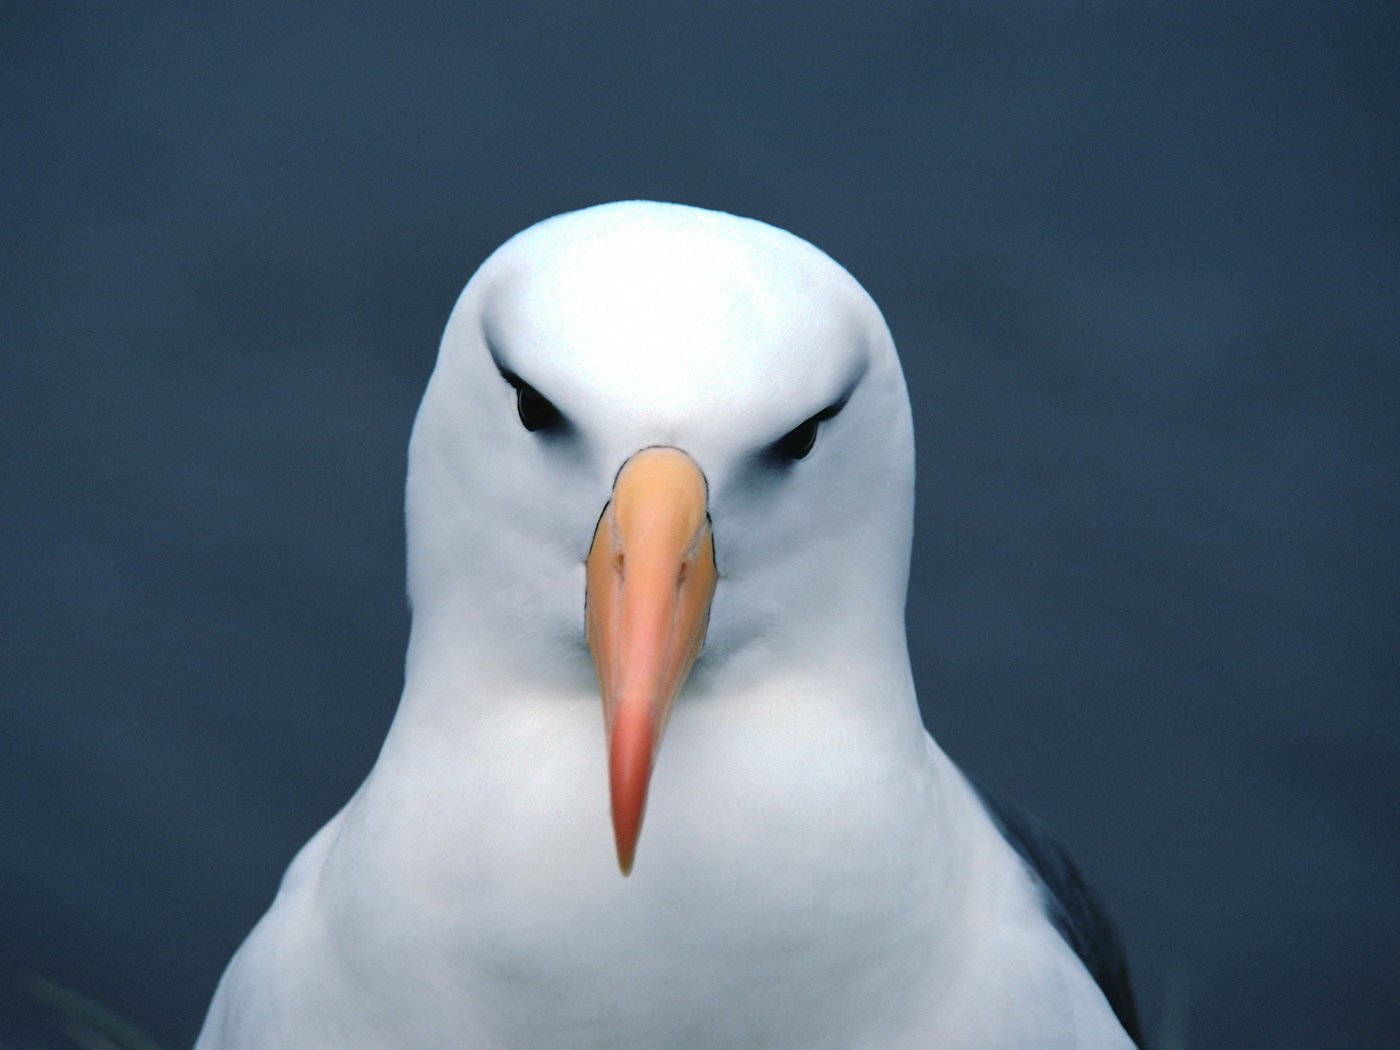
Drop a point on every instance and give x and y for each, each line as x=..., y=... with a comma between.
x=813, y=871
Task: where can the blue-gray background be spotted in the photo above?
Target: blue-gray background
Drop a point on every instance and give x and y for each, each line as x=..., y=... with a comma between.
x=1142, y=264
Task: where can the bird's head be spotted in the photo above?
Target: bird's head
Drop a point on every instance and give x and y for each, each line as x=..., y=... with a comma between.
x=656, y=433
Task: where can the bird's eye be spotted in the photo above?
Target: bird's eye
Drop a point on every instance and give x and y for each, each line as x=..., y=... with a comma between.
x=798, y=441
x=536, y=411
x=801, y=439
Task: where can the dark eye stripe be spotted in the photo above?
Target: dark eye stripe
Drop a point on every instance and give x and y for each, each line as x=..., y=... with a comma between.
x=798, y=441
x=536, y=411
x=801, y=439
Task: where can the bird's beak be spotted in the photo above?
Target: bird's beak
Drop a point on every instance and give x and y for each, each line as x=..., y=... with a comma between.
x=651, y=576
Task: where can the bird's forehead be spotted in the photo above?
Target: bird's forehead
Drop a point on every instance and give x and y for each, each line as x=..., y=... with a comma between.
x=677, y=321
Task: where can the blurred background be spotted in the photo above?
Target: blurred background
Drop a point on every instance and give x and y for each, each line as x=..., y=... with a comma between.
x=1143, y=265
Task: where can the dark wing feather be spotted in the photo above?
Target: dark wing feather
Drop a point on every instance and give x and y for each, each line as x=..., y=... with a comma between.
x=1072, y=906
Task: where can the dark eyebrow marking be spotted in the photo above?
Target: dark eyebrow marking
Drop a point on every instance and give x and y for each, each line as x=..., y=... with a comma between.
x=537, y=413
x=798, y=442
x=842, y=399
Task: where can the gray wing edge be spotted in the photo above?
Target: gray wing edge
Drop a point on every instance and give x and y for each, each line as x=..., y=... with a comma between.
x=1072, y=906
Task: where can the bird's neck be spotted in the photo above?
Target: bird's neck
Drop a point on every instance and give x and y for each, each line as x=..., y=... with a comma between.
x=468, y=690
x=786, y=814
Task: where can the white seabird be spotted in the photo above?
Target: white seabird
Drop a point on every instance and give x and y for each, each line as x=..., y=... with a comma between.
x=652, y=428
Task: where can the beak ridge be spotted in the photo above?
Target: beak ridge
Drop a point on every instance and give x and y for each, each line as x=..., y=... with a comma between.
x=650, y=580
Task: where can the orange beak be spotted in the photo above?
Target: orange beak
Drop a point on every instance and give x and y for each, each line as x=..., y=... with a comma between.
x=651, y=576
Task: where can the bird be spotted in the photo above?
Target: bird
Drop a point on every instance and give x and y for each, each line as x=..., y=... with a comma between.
x=658, y=776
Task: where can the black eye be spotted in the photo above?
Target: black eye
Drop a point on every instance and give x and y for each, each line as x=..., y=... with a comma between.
x=801, y=439
x=798, y=441
x=536, y=411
